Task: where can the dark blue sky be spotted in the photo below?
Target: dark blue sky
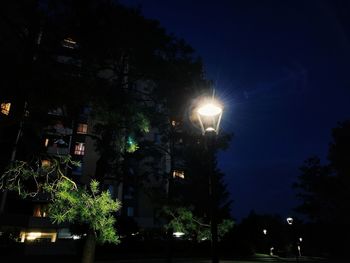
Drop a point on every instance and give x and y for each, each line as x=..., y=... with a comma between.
x=282, y=69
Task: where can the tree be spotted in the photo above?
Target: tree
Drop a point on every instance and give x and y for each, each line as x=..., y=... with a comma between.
x=324, y=190
x=316, y=190
x=196, y=191
x=138, y=74
x=132, y=74
x=69, y=202
x=278, y=233
x=183, y=221
x=86, y=206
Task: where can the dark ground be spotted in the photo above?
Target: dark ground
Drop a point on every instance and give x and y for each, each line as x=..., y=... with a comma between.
x=256, y=258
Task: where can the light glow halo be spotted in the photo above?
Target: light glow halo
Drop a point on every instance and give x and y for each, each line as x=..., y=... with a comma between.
x=209, y=110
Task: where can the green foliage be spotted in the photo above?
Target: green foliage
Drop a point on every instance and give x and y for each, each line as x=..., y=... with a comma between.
x=143, y=122
x=183, y=220
x=225, y=226
x=131, y=145
x=86, y=206
x=42, y=175
x=69, y=202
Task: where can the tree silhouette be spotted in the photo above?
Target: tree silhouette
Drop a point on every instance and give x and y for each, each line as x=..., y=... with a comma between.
x=324, y=190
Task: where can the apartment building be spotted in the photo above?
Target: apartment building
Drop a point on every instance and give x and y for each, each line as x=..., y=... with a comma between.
x=64, y=133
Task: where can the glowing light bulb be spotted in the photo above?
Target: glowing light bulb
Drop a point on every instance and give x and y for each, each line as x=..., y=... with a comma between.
x=209, y=110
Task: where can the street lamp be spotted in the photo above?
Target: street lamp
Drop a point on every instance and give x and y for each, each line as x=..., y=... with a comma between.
x=297, y=247
x=209, y=115
x=266, y=241
x=178, y=234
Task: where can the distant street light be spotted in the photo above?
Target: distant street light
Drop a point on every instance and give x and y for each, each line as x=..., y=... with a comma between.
x=299, y=250
x=295, y=244
x=178, y=234
x=265, y=241
x=299, y=246
x=209, y=116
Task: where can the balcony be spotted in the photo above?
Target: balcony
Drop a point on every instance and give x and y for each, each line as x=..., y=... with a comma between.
x=57, y=150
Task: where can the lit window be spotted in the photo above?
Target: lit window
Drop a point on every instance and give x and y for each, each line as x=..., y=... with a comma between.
x=38, y=236
x=82, y=128
x=46, y=142
x=40, y=210
x=178, y=174
x=5, y=108
x=79, y=148
x=45, y=163
x=130, y=211
x=69, y=43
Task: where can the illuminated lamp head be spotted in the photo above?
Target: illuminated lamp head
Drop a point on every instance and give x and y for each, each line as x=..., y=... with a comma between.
x=209, y=115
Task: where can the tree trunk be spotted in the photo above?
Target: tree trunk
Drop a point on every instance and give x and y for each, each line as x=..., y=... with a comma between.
x=89, y=248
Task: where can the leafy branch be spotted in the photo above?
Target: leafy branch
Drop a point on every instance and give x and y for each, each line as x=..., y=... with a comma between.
x=183, y=220
x=40, y=176
x=69, y=202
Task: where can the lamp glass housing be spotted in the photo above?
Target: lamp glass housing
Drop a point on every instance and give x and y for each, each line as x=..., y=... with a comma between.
x=209, y=116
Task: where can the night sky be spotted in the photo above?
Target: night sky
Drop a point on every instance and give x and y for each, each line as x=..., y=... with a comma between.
x=282, y=69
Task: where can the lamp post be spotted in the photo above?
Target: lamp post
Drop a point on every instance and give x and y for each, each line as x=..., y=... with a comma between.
x=290, y=233
x=265, y=241
x=209, y=116
x=299, y=245
x=289, y=220
x=295, y=246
